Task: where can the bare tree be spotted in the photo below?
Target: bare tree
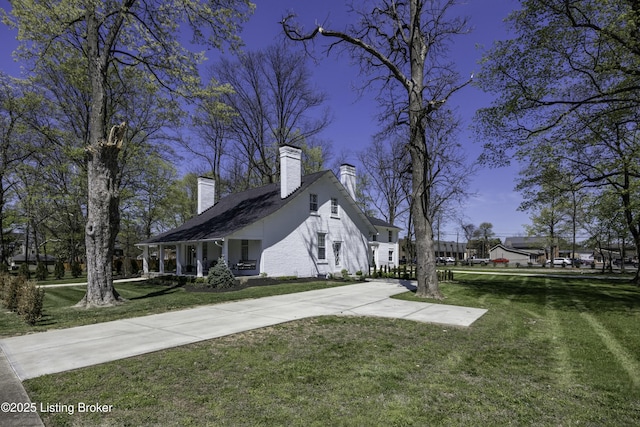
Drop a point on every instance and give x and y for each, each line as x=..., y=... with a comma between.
x=387, y=168
x=405, y=45
x=271, y=100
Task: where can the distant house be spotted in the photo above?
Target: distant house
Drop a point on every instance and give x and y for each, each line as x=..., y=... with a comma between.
x=535, y=247
x=513, y=255
x=303, y=226
x=384, y=244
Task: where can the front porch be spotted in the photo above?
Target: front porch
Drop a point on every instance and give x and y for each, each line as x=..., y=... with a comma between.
x=196, y=258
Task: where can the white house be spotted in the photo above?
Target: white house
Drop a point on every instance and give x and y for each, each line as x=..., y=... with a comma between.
x=384, y=244
x=304, y=226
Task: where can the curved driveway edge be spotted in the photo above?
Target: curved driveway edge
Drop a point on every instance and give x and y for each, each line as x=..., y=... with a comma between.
x=61, y=350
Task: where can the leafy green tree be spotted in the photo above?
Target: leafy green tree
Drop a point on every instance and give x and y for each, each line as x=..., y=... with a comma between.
x=19, y=106
x=484, y=236
x=105, y=39
x=567, y=91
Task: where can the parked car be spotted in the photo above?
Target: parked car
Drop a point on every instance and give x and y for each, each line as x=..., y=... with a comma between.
x=560, y=261
x=627, y=262
x=500, y=261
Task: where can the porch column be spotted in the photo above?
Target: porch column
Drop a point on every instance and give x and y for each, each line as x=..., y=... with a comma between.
x=145, y=259
x=179, y=259
x=199, y=261
x=225, y=251
x=161, y=259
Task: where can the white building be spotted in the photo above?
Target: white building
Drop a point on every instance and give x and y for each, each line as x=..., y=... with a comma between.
x=384, y=245
x=304, y=226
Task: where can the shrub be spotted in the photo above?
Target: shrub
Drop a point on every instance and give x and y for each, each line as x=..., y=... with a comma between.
x=58, y=269
x=24, y=271
x=345, y=274
x=11, y=291
x=220, y=276
x=41, y=271
x=30, y=301
x=76, y=269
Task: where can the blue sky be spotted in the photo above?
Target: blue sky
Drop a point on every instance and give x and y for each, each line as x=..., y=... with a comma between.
x=354, y=117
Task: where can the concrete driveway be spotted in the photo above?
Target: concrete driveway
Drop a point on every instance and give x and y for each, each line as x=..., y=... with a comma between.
x=61, y=350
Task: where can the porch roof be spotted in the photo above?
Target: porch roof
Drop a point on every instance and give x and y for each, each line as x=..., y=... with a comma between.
x=232, y=213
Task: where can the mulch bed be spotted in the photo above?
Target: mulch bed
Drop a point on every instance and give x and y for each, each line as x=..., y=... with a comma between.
x=261, y=281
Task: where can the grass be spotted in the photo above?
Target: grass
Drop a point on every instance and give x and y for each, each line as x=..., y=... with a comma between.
x=548, y=352
x=143, y=298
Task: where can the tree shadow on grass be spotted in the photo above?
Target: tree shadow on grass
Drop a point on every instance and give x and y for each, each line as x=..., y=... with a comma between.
x=571, y=294
x=164, y=291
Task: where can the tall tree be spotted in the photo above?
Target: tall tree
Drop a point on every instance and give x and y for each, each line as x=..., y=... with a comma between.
x=273, y=100
x=387, y=167
x=404, y=44
x=110, y=37
x=570, y=75
x=19, y=108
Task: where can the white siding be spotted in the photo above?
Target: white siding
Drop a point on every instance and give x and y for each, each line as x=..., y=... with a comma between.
x=289, y=237
x=384, y=246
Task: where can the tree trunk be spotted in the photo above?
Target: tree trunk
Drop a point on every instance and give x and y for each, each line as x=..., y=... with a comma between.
x=103, y=215
x=426, y=274
x=103, y=222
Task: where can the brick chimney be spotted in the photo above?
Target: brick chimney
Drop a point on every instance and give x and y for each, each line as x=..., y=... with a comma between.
x=206, y=193
x=290, y=169
x=348, y=179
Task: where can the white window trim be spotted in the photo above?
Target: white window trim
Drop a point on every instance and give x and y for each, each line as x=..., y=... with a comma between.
x=324, y=246
x=335, y=214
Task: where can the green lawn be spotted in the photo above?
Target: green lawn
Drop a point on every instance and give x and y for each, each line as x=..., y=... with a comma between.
x=143, y=298
x=548, y=352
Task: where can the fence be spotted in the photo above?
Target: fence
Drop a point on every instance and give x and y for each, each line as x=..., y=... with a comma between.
x=406, y=272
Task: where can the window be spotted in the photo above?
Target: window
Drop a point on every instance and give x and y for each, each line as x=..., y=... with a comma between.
x=334, y=206
x=244, y=250
x=390, y=256
x=337, y=247
x=322, y=248
x=313, y=202
x=390, y=236
x=374, y=237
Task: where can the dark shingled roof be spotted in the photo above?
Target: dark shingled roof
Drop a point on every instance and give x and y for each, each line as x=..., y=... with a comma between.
x=233, y=213
x=380, y=223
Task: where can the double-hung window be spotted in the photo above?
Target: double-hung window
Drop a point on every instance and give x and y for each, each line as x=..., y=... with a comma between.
x=390, y=236
x=322, y=246
x=334, y=206
x=313, y=202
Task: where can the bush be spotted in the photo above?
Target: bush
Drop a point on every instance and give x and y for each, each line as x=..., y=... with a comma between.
x=22, y=297
x=41, y=271
x=345, y=274
x=11, y=291
x=30, y=301
x=24, y=271
x=76, y=269
x=220, y=276
x=58, y=269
